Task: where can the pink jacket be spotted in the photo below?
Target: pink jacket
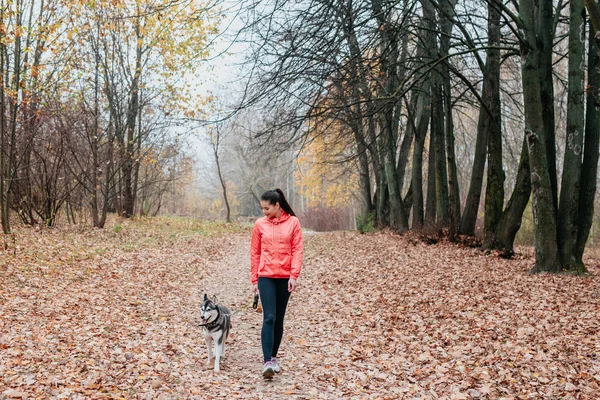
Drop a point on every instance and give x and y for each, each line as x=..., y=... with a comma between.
x=277, y=248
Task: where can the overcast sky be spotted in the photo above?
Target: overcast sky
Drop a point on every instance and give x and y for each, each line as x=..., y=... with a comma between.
x=221, y=78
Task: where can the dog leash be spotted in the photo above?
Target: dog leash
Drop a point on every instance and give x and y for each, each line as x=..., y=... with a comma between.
x=232, y=313
x=254, y=306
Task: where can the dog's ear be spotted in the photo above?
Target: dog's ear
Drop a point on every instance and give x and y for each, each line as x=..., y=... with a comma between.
x=214, y=299
x=205, y=297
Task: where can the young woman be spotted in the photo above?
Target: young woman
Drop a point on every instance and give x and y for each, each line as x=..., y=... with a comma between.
x=275, y=263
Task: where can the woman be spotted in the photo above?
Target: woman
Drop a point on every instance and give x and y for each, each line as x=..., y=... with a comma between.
x=275, y=263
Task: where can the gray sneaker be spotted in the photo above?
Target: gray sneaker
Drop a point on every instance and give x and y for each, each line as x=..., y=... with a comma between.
x=276, y=367
x=269, y=369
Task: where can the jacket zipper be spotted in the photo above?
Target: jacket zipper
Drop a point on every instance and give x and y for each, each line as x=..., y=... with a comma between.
x=275, y=243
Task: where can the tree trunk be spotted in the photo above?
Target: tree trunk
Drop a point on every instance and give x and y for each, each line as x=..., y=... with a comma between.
x=418, y=117
x=589, y=168
x=441, y=174
x=381, y=197
x=363, y=162
x=94, y=141
x=571, y=175
x=132, y=114
x=446, y=24
x=546, y=41
x=216, y=141
x=494, y=193
x=403, y=157
x=417, y=182
x=469, y=216
x=109, y=171
x=14, y=109
x=4, y=201
x=453, y=188
x=137, y=150
x=510, y=222
x=422, y=115
x=546, y=249
x=430, y=211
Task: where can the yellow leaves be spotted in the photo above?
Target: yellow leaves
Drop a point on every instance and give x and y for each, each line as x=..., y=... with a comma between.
x=19, y=31
x=322, y=180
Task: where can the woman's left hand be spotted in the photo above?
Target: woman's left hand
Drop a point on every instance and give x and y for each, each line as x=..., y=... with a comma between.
x=291, y=285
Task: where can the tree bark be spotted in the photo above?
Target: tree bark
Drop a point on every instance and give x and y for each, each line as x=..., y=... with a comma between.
x=446, y=25
x=441, y=174
x=14, y=109
x=571, y=175
x=494, y=193
x=546, y=248
x=216, y=141
x=4, y=195
x=546, y=41
x=431, y=210
x=589, y=170
x=132, y=114
x=422, y=115
x=510, y=222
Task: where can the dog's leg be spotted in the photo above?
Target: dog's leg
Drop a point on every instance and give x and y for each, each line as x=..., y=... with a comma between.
x=224, y=340
x=218, y=350
x=209, y=345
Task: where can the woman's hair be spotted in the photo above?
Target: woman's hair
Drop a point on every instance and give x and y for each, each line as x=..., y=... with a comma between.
x=276, y=196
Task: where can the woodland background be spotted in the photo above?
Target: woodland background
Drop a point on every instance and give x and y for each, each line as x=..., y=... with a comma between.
x=418, y=131
x=471, y=118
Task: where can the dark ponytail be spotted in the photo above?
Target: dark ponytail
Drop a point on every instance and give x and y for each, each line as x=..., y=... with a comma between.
x=276, y=196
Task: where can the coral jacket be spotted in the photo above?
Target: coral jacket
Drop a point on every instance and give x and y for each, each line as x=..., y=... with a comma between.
x=277, y=248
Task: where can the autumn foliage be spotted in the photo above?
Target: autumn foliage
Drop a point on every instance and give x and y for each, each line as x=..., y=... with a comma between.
x=92, y=92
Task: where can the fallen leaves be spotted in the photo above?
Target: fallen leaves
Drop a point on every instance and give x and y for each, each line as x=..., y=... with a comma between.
x=114, y=315
x=456, y=322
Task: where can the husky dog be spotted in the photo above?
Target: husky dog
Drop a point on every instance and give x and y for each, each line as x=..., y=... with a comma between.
x=216, y=323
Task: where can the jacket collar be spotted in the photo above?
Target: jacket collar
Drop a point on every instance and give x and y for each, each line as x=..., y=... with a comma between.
x=284, y=217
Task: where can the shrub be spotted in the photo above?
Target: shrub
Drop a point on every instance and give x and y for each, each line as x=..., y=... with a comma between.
x=365, y=223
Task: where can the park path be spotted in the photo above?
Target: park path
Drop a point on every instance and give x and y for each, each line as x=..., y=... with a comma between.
x=228, y=279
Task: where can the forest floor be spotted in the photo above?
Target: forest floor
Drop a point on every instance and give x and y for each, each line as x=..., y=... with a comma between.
x=113, y=313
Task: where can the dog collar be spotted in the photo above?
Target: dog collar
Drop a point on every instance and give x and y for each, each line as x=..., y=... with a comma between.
x=213, y=323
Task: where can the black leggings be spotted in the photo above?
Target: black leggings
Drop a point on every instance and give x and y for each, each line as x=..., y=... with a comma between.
x=274, y=297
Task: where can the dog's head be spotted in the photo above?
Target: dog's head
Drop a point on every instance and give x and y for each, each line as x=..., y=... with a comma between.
x=208, y=310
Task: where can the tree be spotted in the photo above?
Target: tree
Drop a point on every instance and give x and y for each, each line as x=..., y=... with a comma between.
x=216, y=138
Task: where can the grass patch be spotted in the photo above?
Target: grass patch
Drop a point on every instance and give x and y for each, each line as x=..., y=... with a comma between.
x=71, y=244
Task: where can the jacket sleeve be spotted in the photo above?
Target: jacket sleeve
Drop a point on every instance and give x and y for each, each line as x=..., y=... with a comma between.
x=297, y=250
x=255, y=254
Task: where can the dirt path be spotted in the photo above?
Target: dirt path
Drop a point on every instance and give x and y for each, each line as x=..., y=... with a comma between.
x=241, y=370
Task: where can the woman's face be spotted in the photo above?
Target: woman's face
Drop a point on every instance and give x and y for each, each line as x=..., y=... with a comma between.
x=270, y=210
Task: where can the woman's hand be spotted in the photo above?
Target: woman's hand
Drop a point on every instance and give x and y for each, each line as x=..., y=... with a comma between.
x=255, y=289
x=291, y=285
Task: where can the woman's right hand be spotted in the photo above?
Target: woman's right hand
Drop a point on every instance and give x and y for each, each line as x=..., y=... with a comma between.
x=255, y=288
